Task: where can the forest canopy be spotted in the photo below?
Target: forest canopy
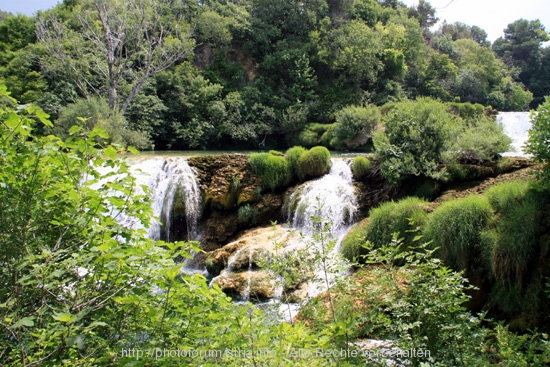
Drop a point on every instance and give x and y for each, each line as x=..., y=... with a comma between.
x=256, y=73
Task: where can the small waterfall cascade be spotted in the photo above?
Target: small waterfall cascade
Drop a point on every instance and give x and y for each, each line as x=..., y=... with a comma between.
x=330, y=198
x=172, y=182
x=516, y=125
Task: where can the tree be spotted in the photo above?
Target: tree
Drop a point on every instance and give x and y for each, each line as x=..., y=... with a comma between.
x=460, y=30
x=521, y=49
x=425, y=13
x=117, y=47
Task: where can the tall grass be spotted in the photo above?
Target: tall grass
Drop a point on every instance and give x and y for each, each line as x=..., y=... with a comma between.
x=456, y=227
x=361, y=166
x=293, y=156
x=402, y=217
x=273, y=169
x=314, y=163
x=515, y=230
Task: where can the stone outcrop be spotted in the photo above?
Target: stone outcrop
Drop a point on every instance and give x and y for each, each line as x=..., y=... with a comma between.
x=233, y=198
x=238, y=265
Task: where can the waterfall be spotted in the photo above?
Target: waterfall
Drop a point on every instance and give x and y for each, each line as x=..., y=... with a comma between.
x=171, y=182
x=330, y=198
x=516, y=125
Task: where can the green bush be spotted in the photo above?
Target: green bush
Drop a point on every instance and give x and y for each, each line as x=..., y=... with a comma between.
x=309, y=138
x=248, y=214
x=273, y=169
x=515, y=231
x=479, y=140
x=293, y=156
x=538, y=143
x=456, y=228
x=352, y=244
x=354, y=124
x=313, y=133
x=402, y=217
x=415, y=138
x=95, y=112
x=314, y=163
x=467, y=110
x=360, y=167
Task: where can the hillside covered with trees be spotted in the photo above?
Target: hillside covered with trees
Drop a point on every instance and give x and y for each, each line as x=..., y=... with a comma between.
x=173, y=74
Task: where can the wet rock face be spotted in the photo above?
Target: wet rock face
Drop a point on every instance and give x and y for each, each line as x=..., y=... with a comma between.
x=233, y=200
x=254, y=285
x=237, y=266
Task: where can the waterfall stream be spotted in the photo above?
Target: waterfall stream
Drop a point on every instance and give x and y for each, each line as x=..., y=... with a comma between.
x=516, y=125
x=330, y=199
x=172, y=182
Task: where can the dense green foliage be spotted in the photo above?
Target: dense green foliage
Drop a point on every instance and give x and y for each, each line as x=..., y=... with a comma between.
x=361, y=166
x=293, y=156
x=420, y=305
x=402, y=218
x=314, y=163
x=223, y=74
x=273, y=169
x=414, y=140
x=420, y=137
x=497, y=239
x=538, y=143
x=455, y=229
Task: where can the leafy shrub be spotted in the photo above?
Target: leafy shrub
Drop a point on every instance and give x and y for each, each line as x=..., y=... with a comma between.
x=479, y=140
x=313, y=133
x=314, y=163
x=293, y=156
x=354, y=124
x=401, y=217
x=96, y=113
x=456, y=227
x=360, y=167
x=416, y=136
x=538, y=143
x=248, y=214
x=467, y=110
x=273, y=169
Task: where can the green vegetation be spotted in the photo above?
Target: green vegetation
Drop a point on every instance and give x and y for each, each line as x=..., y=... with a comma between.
x=273, y=169
x=538, y=143
x=455, y=229
x=354, y=126
x=420, y=137
x=516, y=229
x=314, y=163
x=225, y=74
x=414, y=140
x=293, y=156
x=401, y=217
x=361, y=166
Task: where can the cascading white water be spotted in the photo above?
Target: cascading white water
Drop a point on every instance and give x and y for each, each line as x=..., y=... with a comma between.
x=516, y=125
x=166, y=177
x=330, y=198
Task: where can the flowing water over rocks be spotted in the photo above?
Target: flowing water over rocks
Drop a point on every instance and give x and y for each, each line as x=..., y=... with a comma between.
x=174, y=190
x=329, y=199
x=516, y=125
